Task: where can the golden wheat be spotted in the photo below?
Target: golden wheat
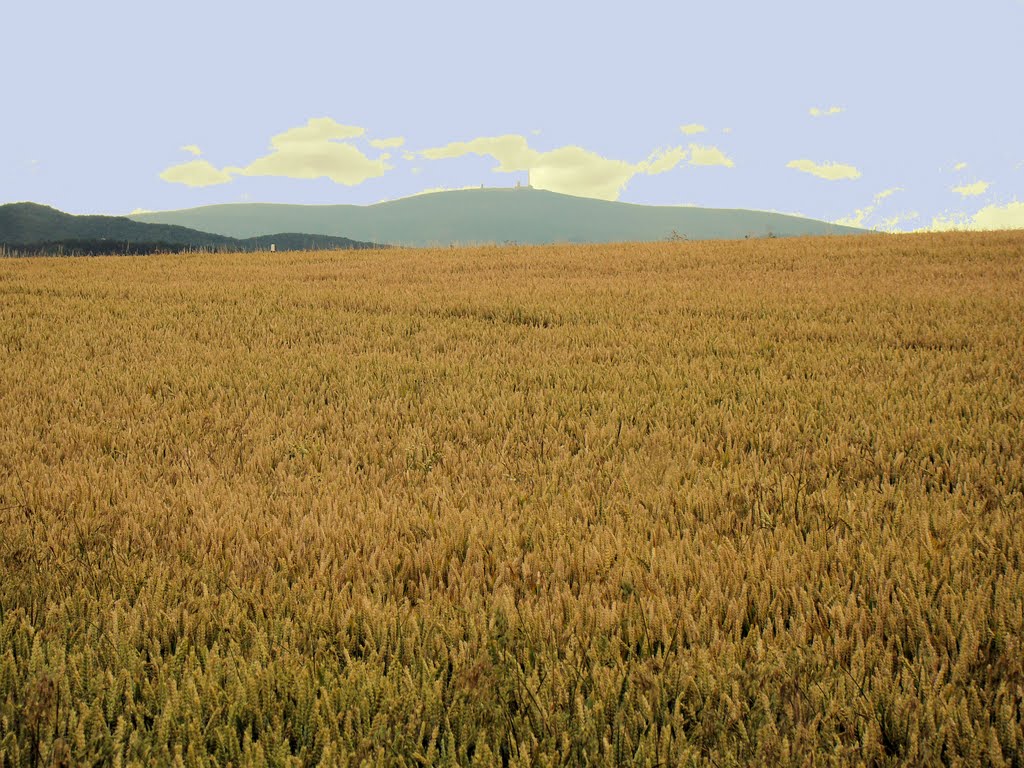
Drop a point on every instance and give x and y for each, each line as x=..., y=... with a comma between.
x=652, y=504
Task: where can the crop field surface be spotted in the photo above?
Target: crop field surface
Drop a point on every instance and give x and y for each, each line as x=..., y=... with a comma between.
x=666, y=504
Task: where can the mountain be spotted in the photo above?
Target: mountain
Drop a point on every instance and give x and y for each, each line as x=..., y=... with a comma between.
x=30, y=227
x=494, y=216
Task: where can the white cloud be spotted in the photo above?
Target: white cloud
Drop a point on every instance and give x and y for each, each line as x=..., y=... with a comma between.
x=707, y=155
x=816, y=112
x=394, y=142
x=829, y=171
x=662, y=161
x=570, y=170
x=316, y=129
x=972, y=190
x=195, y=173
x=577, y=171
x=341, y=163
x=192, y=149
x=317, y=150
x=691, y=128
x=510, y=150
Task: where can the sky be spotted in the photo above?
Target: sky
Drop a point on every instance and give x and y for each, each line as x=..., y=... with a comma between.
x=887, y=115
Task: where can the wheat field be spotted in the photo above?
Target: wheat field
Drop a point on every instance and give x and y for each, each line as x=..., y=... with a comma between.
x=667, y=504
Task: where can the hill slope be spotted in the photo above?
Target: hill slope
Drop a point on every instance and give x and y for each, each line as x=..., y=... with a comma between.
x=34, y=227
x=494, y=215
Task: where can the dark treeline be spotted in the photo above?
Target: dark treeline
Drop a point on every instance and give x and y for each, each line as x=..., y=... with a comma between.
x=30, y=229
x=102, y=247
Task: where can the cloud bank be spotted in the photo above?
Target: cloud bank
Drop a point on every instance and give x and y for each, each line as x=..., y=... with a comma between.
x=1009, y=216
x=858, y=217
x=571, y=170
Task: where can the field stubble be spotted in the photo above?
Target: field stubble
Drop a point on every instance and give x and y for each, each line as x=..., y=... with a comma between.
x=653, y=504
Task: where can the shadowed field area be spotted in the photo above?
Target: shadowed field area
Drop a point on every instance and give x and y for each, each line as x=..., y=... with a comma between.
x=727, y=503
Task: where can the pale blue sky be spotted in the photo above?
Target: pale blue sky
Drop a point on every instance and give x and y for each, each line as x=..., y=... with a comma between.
x=101, y=98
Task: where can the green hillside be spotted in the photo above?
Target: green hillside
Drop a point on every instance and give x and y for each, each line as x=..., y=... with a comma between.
x=494, y=216
x=34, y=228
x=27, y=223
